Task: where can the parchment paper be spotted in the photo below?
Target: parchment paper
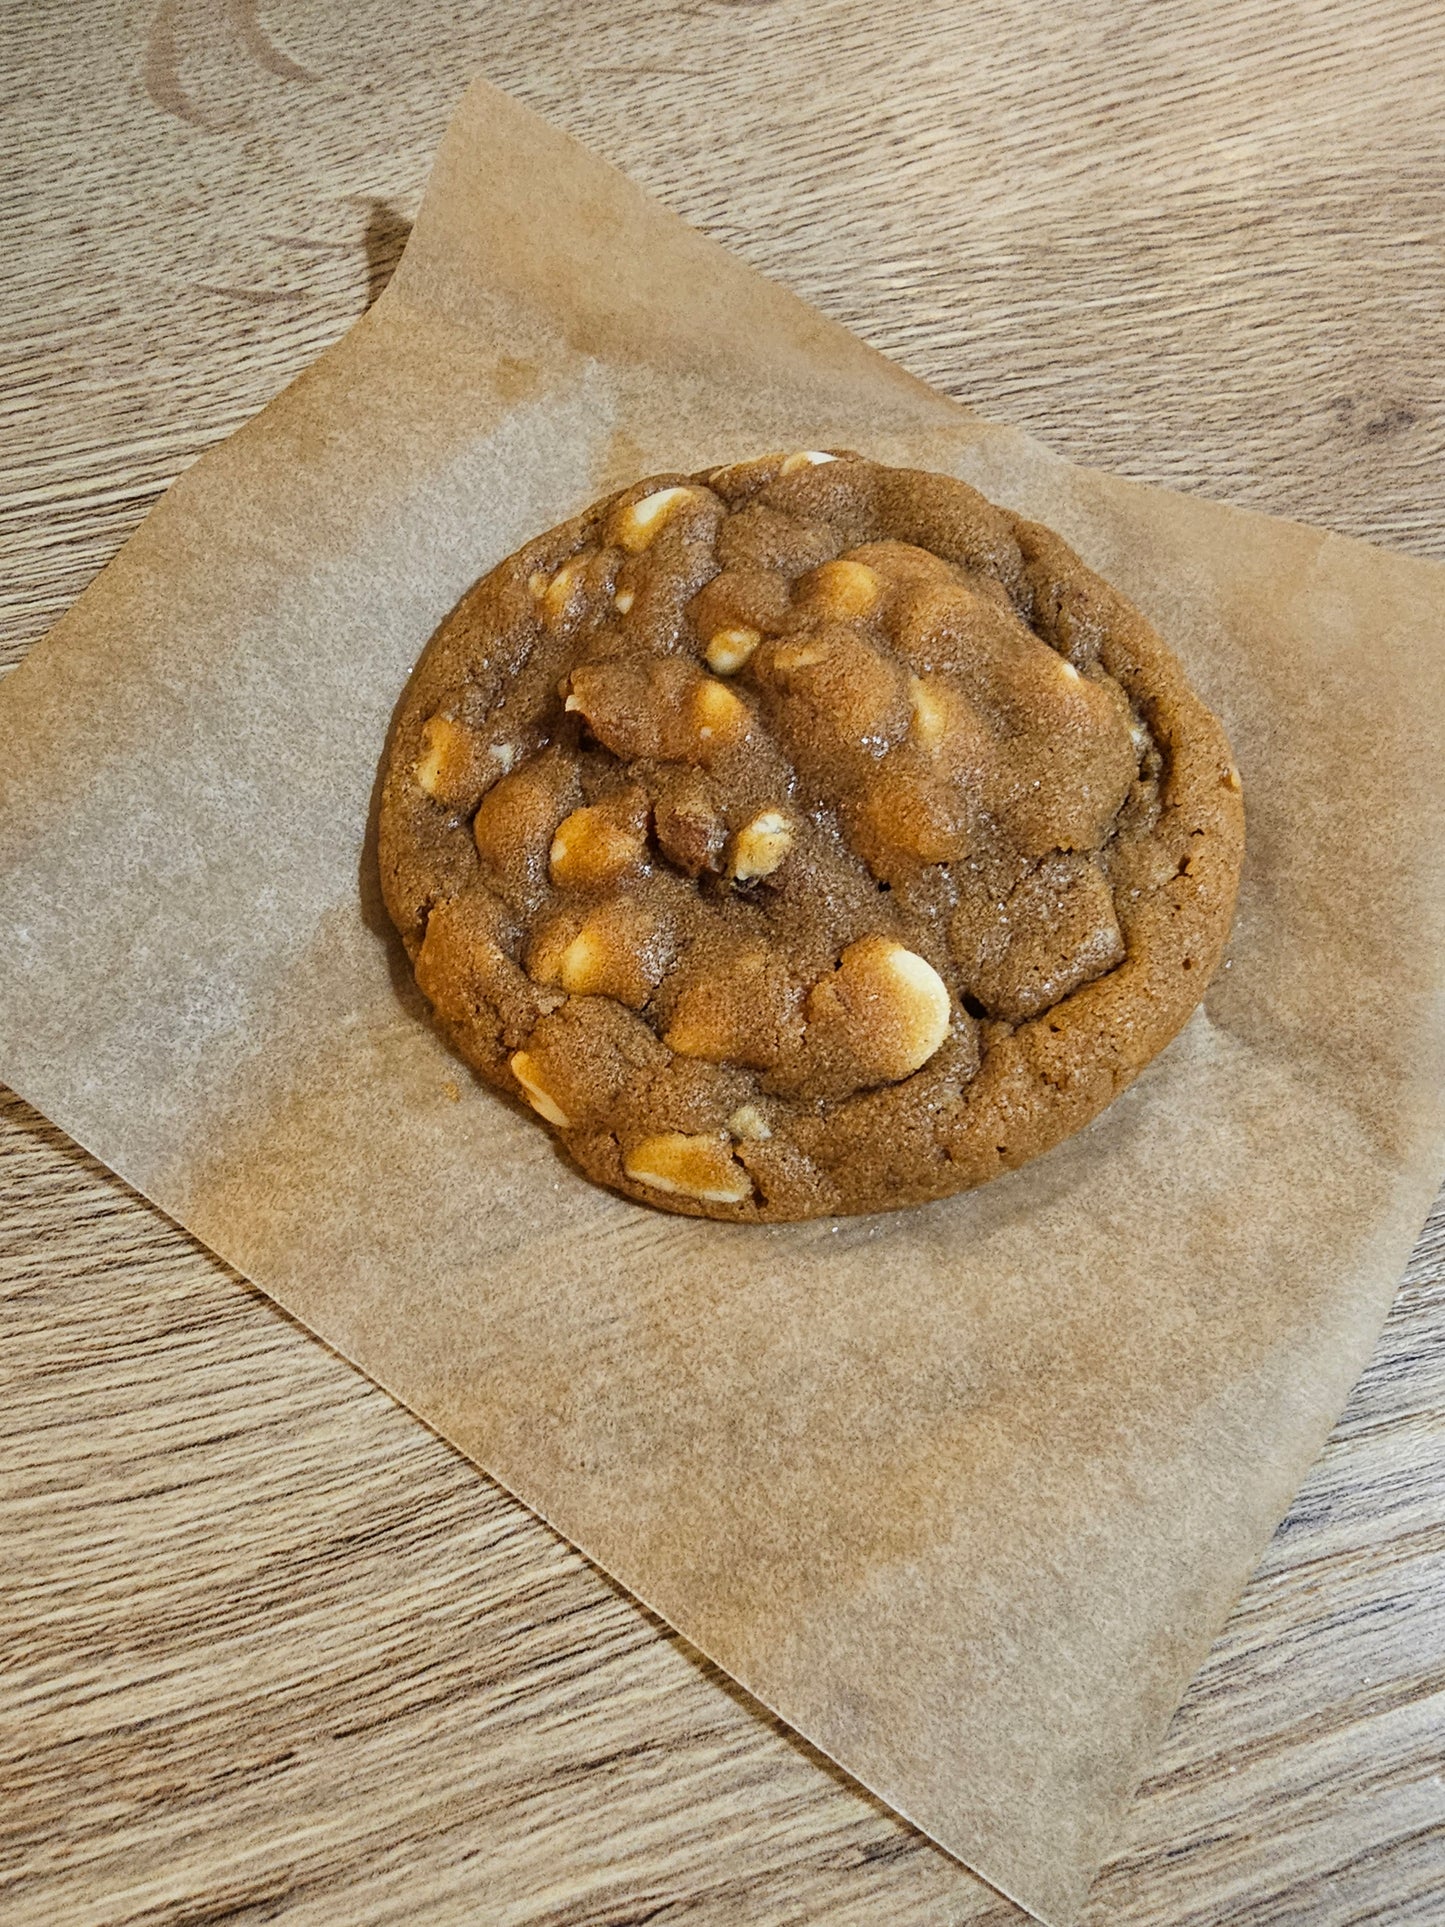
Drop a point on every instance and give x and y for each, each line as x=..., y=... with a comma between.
x=964, y=1492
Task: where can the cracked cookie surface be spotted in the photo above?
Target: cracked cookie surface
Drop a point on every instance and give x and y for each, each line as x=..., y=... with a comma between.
x=806, y=836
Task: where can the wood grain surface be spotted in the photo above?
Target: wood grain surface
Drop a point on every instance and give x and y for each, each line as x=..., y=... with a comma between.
x=268, y=1649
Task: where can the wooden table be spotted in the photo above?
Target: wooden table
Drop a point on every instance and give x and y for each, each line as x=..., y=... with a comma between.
x=270, y=1649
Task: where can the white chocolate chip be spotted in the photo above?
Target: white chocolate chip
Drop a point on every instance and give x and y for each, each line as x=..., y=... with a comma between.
x=889, y=1003
x=729, y=649
x=453, y=766
x=930, y=712
x=524, y=1069
x=537, y=583
x=718, y=715
x=557, y=596
x=760, y=846
x=758, y=469
x=1069, y=671
x=618, y=952
x=585, y=965
x=635, y=526
x=691, y=1167
x=805, y=458
x=748, y=1123
x=799, y=655
x=921, y=1005
x=591, y=846
x=446, y=755
x=547, y=949
x=623, y=601
x=926, y=995
x=1233, y=780
x=843, y=588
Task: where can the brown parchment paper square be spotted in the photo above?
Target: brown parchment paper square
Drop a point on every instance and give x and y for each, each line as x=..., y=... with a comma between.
x=963, y=1492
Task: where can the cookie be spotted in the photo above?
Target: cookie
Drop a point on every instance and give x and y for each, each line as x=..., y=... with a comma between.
x=807, y=836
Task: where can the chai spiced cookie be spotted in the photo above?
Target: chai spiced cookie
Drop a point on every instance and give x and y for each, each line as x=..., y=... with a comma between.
x=806, y=836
